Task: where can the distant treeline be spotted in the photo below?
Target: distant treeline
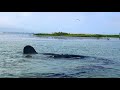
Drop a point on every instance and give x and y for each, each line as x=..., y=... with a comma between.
x=76, y=35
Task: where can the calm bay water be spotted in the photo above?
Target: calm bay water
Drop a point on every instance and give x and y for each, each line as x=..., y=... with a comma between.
x=14, y=64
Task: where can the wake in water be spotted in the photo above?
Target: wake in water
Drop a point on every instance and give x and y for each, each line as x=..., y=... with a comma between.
x=29, y=50
x=70, y=57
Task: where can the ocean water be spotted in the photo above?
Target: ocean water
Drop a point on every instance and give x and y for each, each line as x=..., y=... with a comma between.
x=104, y=60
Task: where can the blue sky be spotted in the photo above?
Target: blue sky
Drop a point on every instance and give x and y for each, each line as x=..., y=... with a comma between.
x=48, y=22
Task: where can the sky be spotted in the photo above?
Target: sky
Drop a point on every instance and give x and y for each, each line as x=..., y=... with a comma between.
x=71, y=22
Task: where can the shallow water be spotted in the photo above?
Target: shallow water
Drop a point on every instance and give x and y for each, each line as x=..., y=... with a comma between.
x=104, y=60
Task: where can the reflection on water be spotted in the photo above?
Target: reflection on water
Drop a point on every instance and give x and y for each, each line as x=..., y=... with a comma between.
x=103, y=60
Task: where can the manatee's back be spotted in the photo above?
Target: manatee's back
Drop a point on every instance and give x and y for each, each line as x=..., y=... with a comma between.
x=29, y=50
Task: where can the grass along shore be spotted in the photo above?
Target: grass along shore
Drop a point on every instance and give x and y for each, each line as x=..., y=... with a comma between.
x=78, y=35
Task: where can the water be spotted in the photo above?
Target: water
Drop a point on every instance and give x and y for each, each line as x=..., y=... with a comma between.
x=104, y=60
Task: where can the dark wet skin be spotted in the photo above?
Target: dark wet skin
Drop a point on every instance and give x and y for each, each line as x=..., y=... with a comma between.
x=29, y=50
x=64, y=55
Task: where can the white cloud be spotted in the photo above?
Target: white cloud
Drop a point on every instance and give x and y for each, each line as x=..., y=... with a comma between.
x=113, y=22
x=6, y=21
x=13, y=19
x=26, y=13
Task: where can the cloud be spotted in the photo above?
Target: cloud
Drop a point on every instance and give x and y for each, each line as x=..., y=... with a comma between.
x=13, y=19
x=6, y=21
x=25, y=14
x=113, y=22
x=65, y=21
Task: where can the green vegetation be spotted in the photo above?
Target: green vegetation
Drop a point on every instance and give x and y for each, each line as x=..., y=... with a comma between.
x=77, y=35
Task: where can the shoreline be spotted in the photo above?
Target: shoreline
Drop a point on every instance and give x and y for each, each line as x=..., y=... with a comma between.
x=68, y=35
x=72, y=38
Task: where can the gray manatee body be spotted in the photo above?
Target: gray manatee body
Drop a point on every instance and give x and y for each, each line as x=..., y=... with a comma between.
x=65, y=56
x=28, y=50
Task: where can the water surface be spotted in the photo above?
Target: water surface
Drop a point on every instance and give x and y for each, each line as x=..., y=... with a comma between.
x=106, y=61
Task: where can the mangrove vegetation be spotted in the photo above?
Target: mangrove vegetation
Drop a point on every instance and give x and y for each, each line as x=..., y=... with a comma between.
x=77, y=35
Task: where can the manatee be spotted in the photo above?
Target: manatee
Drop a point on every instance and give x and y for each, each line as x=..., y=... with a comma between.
x=29, y=50
x=64, y=56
